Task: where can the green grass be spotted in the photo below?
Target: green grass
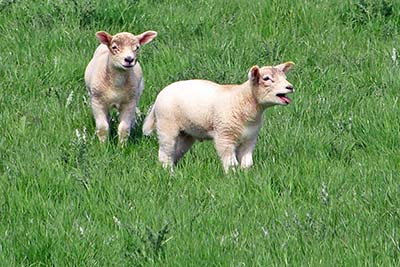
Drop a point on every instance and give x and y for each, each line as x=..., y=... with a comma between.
x=325, y=187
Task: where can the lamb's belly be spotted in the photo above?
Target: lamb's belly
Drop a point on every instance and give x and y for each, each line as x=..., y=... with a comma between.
x=199, y=133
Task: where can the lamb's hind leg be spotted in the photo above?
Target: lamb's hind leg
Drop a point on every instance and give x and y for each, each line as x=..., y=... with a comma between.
x=183, y=144
x=167, y=140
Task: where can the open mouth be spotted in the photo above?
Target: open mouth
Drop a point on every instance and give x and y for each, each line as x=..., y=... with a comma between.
x=284, y=98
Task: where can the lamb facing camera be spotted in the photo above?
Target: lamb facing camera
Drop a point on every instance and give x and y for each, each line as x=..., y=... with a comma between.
x=114, y=78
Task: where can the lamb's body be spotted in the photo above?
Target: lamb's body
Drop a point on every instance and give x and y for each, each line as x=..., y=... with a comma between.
x=114, y=78
x=109, y=87
x=201, y=109
x=112, y=86
x=231, y=115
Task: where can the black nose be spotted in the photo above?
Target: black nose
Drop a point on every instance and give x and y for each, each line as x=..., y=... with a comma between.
x=129, y=59
x=290, y=87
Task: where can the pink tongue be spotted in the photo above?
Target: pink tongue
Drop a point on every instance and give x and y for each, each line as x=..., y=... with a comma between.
x=285, y=99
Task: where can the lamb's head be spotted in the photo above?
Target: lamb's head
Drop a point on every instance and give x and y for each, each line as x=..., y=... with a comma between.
x=124, y=47
x=269, y=84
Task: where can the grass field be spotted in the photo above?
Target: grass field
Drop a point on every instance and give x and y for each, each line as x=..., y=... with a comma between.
x=325, y=187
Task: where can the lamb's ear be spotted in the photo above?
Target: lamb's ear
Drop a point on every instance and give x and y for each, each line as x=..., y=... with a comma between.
x=146, y=37
x=285, y=67
x=104, y=38
x=254, y=74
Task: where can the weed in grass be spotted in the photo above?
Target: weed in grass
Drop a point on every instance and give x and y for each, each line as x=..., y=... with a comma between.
x=146, y=247
x=77, y=157
x=324, y=194
x=395, y=56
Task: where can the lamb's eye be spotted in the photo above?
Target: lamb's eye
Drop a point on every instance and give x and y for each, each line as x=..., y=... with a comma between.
x=136, y=48
x=267, y=78
x=114, y=47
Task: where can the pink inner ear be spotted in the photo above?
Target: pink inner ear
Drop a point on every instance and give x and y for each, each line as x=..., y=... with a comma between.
x=104, y=38
x=286, y=67
x=147, y=37
x=255, y=73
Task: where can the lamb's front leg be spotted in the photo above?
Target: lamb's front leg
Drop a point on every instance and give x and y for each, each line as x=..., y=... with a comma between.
x=126, y=121
x=100, y=113
x=245, y=153
x=226, y=150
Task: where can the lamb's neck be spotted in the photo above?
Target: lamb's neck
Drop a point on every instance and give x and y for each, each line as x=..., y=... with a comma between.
x=250, y=109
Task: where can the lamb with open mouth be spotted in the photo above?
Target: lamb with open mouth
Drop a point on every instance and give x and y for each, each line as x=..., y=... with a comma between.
x=284, y=98
x=230, y=115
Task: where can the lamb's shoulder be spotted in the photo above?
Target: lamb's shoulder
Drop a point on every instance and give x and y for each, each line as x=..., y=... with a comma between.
x=237, y=131
x=101, y=50
x=95, y=70
x=238, y=117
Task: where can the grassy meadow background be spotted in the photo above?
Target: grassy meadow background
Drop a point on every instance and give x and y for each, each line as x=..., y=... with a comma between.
x=325, y=187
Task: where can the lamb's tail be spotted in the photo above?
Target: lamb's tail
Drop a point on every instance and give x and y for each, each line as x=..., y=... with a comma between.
x=149, y=122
